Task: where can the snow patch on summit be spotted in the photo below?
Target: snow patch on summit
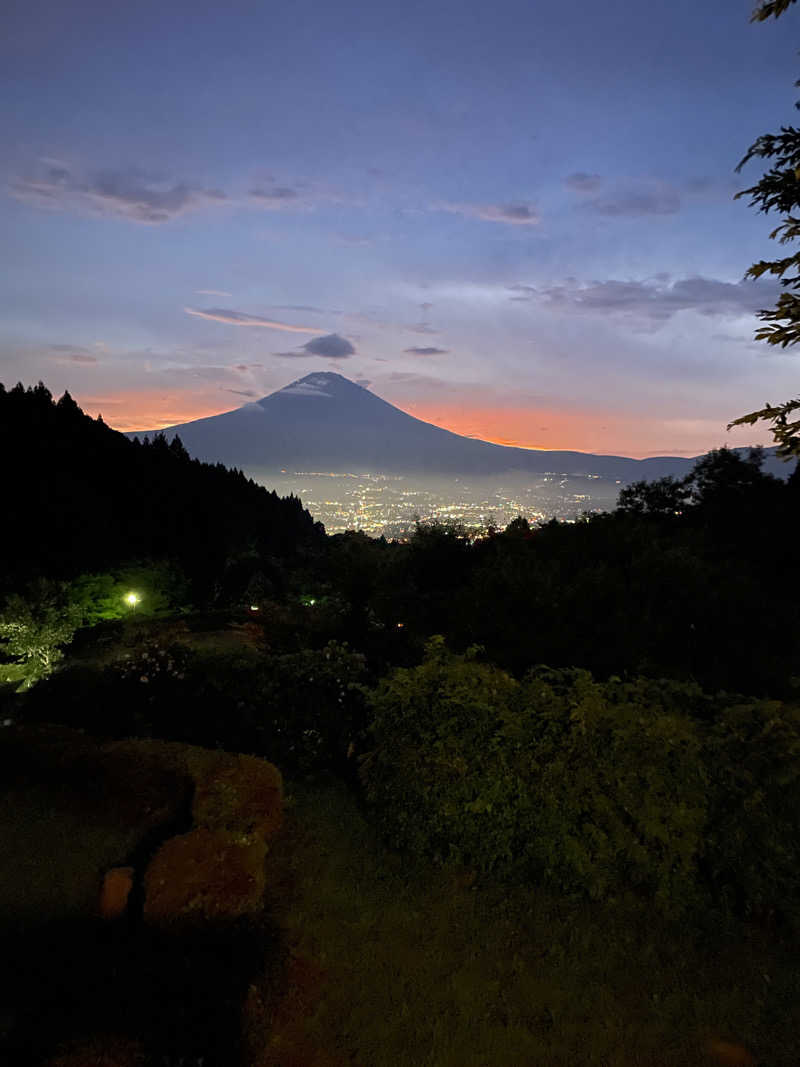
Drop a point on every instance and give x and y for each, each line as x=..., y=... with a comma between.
x=313, y=386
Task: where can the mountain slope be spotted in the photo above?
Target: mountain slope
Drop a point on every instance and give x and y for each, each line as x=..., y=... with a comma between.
x=78, y=496
x=325, y=422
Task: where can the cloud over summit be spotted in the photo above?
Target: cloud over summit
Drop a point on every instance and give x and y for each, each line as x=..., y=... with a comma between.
x=331, y=345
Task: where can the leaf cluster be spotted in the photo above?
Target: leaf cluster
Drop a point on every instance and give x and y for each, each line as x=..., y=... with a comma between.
x=778, y=190
x=603, y=789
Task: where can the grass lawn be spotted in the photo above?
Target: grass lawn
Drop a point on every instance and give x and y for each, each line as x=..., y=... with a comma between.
x=419, y=968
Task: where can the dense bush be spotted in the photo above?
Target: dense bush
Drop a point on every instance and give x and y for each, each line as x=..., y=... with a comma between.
x=753, y=845
x=435, y=773
x=616, y=775
x=600, y=788
x=301, y=710
x=311, y=708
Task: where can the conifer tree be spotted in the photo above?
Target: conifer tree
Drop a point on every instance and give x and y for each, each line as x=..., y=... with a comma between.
x=778, y=190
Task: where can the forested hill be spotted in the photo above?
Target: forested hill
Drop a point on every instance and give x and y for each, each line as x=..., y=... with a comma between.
x=78, y=496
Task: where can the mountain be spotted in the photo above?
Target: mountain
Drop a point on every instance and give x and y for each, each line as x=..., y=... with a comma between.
x=325, y=422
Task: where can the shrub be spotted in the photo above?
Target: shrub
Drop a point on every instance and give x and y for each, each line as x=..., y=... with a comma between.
x=301, y=710
x=436, y=773
x=588, y=785
x=311, y=707
x=752, y=857
x=618, y=785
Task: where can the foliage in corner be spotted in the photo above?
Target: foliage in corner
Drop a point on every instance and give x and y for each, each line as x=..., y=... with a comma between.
x=778, y=190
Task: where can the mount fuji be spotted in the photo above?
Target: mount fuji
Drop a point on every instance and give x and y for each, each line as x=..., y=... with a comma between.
x=325, y=422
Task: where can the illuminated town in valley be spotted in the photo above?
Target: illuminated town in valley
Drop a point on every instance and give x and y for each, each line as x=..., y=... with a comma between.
x=389, y=505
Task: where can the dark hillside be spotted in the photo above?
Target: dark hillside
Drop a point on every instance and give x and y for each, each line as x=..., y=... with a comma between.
x=79, y=496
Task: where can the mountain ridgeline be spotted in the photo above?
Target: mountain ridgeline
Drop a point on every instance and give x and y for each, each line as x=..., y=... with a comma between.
x=78, y=496
x=325, y=422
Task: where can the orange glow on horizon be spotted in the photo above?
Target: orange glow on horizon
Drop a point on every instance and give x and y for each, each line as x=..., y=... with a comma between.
x=577, y=430
x=539, y=429
x=152, y=409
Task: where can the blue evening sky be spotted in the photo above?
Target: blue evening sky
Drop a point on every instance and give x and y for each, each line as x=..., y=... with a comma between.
x=513, y=219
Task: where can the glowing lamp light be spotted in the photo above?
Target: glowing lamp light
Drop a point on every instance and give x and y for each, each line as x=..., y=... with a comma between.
x=132, y=599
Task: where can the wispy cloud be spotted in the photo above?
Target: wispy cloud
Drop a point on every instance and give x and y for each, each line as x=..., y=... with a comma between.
x=581, y=182
x=514, y=214
x=73, y=354
x=242, y=318
x=306, y=307
x=421, y=327
x=654, y=300
x=278, y=196
x=213, y=292
x=129, y=194
x=427, y=351
x=625, y=198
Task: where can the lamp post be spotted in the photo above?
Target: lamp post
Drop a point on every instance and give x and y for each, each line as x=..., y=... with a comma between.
x=133, y=599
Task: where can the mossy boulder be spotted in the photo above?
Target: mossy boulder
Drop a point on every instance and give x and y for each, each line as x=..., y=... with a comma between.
x=205, y=876
x=241, y=794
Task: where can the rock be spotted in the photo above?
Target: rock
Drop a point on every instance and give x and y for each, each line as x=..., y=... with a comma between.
x=117, y=885
x=728, y=1054
x=205, y=875
x=238, y=793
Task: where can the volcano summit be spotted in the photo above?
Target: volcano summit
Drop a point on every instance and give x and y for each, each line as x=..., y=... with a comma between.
x=325, y=422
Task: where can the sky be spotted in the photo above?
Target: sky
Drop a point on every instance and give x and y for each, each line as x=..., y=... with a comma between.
x=515, y=220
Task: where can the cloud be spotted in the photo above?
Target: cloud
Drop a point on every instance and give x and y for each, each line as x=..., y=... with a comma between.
x=421, y=327
x=242, y=392
x=213, y=292
x=636, y=199
x=306, y=307
x=127, y=194
x=331, y=345
x=365, y=383
x=242, y=318
x=427, y=351
x=518, y=214
x=656, y=300
x=279, y=196
x=581, y=182
x=411, y=378
x=74, y=354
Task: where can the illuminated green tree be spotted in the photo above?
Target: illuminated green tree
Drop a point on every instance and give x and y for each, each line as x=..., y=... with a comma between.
x=33, y=630
x=778, y=190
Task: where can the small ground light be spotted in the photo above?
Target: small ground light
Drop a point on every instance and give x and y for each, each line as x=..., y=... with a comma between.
x=312, y=602
x=132, y=599
x=254, y=607
x=400, y=625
